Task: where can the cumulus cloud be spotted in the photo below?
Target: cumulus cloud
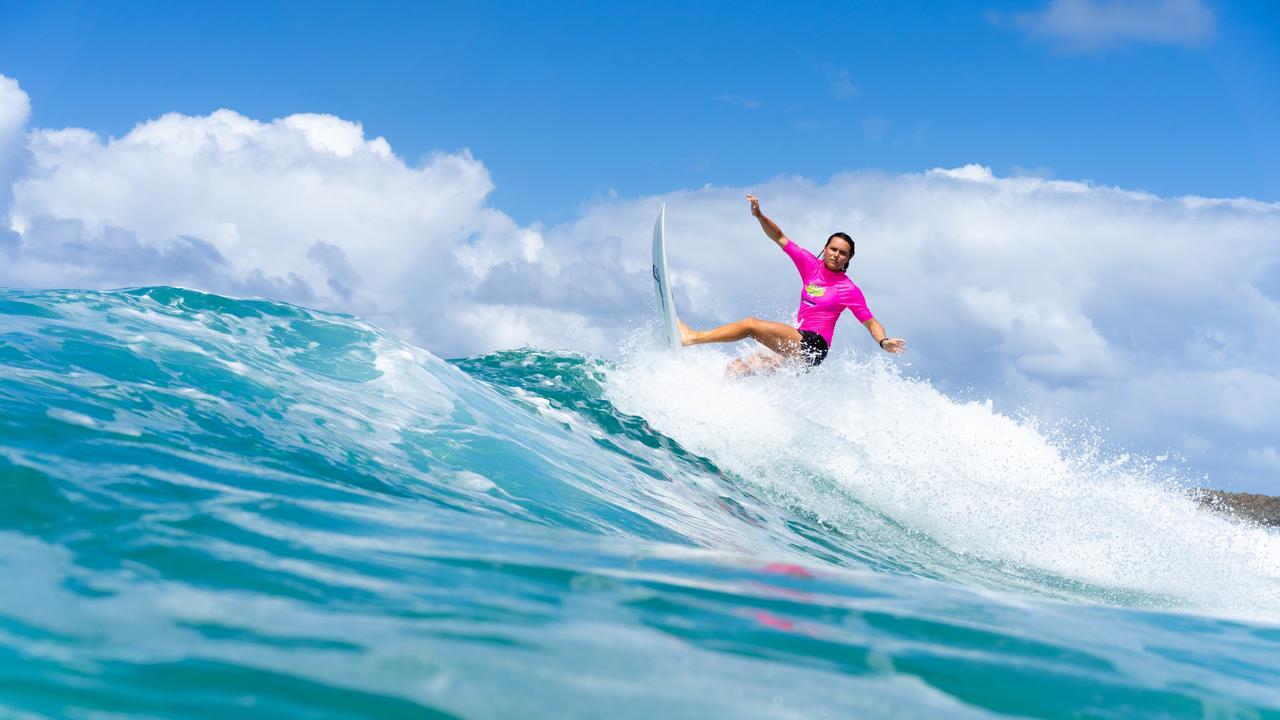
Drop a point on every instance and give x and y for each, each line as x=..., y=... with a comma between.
x=1087, y=25
x=304, y=208
x=1066, y=280
x=1154, y=316
x=15, y=108
x=1046, y=338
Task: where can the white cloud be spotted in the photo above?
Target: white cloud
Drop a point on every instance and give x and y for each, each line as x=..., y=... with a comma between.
x=1150, y=316
x=517, y=325
x=1048, y=339
x=1155, y=316
x=1069, y=280
x=15, y=108
x=304, y=208
x=1087, y=25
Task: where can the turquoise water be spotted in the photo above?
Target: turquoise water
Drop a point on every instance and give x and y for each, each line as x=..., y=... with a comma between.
x=226, y=508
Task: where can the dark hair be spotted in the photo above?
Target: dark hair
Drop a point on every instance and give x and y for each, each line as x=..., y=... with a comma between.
x=845, y=237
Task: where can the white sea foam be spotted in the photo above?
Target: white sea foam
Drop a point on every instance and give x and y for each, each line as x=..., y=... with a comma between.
x=992, y=499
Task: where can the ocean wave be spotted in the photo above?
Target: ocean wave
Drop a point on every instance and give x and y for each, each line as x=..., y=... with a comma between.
x=224, y=505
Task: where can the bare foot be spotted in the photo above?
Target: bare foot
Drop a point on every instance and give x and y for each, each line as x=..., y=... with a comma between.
x=687, y=333
x=736, y=369
x=756, y=364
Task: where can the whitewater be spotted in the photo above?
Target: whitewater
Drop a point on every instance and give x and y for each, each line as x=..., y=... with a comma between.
x=223, y=507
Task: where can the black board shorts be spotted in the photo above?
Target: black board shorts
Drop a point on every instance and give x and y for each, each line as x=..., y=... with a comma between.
x=813, y=348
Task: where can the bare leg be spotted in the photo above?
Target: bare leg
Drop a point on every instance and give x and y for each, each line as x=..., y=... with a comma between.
x=782, y=339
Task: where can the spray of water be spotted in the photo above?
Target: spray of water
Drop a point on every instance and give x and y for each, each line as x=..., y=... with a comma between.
x=941, y=488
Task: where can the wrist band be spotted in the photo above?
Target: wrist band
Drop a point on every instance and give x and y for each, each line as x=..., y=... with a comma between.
x=882, y=342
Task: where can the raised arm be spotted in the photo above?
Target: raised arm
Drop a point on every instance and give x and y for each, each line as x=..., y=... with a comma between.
x=770, y=227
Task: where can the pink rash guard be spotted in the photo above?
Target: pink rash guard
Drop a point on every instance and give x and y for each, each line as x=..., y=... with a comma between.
x=825, y=294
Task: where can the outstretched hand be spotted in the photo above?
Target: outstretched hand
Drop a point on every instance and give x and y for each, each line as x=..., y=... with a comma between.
x=894, y=345
x=755, y=205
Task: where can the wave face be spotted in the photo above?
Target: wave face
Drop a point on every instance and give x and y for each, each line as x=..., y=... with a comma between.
x=215, y=506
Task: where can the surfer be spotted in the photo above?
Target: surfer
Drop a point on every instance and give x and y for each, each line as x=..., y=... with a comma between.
x=827, y=292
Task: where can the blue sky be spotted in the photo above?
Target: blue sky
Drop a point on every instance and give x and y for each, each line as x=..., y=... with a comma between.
x=566, y=102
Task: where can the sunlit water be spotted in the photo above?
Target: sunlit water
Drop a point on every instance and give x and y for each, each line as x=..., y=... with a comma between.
x=225, y=508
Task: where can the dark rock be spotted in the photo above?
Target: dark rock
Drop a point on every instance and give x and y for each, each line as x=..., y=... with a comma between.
x=1261, y=509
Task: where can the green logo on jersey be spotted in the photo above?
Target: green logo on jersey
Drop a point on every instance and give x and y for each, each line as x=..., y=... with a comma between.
x=815, y=290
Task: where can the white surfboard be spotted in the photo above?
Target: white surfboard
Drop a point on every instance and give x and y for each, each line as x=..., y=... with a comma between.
x=662, y=283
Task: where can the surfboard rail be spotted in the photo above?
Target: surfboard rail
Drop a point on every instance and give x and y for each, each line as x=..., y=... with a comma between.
x=662, y=283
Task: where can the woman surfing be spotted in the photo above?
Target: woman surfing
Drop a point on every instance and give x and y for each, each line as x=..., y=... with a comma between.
x=827, y=291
